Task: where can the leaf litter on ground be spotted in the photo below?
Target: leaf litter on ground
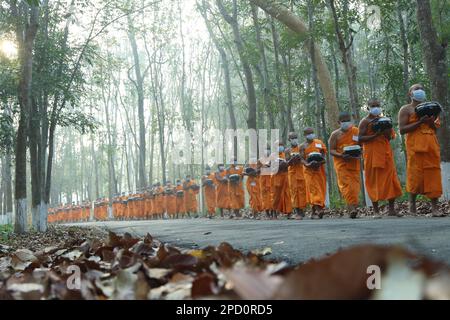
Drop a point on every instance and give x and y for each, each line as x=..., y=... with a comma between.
x=122, y=267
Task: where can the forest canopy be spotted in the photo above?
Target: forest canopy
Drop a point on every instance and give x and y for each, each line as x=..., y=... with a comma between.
x=95, y=95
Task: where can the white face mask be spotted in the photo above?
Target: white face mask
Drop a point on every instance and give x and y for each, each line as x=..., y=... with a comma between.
x=310, y=137
x=375, y=111
x=294, y=142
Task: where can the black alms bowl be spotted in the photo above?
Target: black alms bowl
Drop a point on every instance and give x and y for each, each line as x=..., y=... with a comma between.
x=250, y=171
x=431, y=109
x=234, y=178
x=208, y=182
x=315, y=156
x=353, y=151
x=381, y=124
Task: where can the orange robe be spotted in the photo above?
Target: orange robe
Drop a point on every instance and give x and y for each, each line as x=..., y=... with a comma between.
x=210, y=194
x=380, y=173
x=222, y=195
x=180, y=207
x=190, y=198
x=297, y=184
x=348, y=172
x=236, y=189
x=254, y=190
x=266, y=187
x=281, y=201
x=171, y=204
x=316, y=180
x=159, y=200
x=423, y=161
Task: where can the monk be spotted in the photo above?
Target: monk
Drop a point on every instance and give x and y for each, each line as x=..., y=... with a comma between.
x=209, y=192
x=236, y=189
x=315, y=177
x=297, y=184
x=423, y=152
x=171, y=201
x=253, y=185
x=382, y=182
x=191, y=189
x=348, y=169
x=266, y=183
x=180, y=207
x=222, y=194
x=159, y=201
x=281, y=196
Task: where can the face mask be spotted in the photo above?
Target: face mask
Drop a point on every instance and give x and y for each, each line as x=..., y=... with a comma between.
x=310, y=137
x=346, y=125
x=187, y=180
x=280, y=149
x=221, y=168
x=208, y=172
x=294, y=142
x=375, y=111
x=235, y=163
x=419, y=95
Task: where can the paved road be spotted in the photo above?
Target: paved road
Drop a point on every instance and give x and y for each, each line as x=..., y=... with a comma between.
x=297, y=241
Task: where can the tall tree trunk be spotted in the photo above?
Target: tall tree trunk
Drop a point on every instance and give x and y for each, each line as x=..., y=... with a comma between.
x=280, y=100
x=405, y=50
x=267, y=85
x=251, y=93
x=347, y=60
x=323, y=74
x=226, y=73
x=25, y=38
x=139, y=84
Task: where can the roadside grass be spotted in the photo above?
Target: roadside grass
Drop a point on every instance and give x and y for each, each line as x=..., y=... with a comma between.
x=5, y=231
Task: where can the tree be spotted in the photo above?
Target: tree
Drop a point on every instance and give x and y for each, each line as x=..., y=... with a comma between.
x=26, y=17
x=232, y=20
x=294, y=23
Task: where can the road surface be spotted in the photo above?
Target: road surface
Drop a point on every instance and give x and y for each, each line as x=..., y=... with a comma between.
x=296, y=241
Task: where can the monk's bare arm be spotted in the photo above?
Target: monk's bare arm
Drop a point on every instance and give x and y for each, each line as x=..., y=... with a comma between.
x=333, y=145
x=303, y=156
x=363, y=127
x=403, y=119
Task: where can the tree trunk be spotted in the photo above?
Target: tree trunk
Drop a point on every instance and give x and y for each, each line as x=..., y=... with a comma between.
x=347, y=60
x=294, y=23
x=405, y=51
x=139, y=84
x=25, y=39
x=251, y=93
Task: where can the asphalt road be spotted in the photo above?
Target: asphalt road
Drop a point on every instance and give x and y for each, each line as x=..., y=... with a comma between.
x=296, y=241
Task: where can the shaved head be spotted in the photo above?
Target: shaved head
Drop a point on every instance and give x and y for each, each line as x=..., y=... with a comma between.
x=416, y=87
x=374, y=102
x=345, y=116
x=308, y=130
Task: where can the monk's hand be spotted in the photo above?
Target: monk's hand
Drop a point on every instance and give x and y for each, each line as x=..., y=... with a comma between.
x=431, y=121
x=346, y=157
x=425, y=119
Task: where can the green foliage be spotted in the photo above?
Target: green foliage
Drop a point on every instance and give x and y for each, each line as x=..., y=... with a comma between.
x=5, y=231
x=79, y=121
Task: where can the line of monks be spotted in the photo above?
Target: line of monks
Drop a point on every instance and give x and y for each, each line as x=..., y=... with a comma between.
x=294, y=178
